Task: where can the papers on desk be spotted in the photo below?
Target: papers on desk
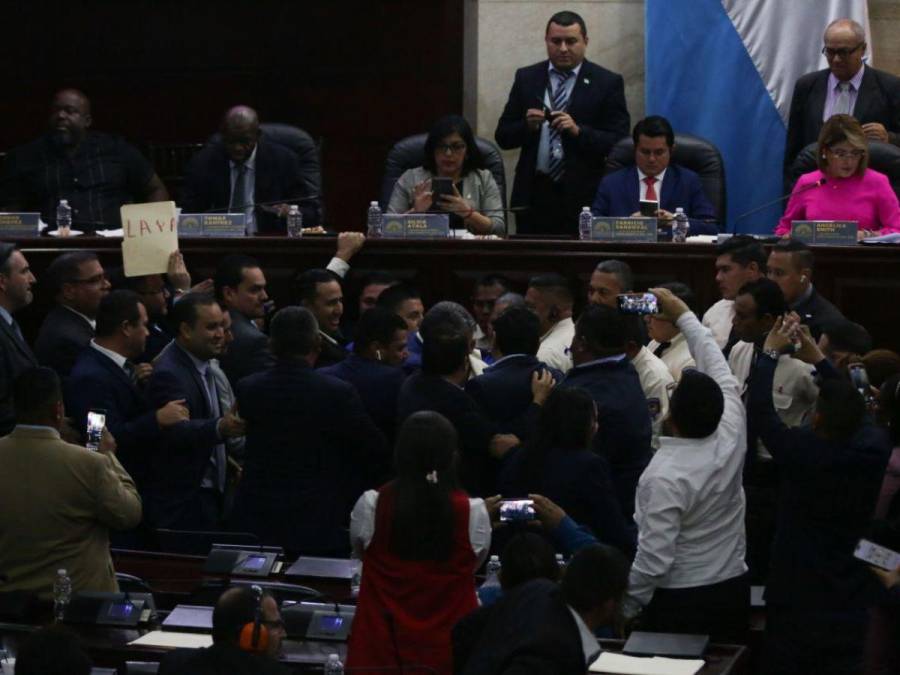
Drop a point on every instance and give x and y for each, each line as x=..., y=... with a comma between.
x=703, y=238
x=620, y=664
x=111, y=233
x=893, y=238
x=72, y=233
x=161, y=638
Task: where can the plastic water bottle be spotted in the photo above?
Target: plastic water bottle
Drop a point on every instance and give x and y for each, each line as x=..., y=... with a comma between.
x=355, y=576
x=680, y=227
x=374, y=221
x=333, y=665
x=63, y=218
x=560, y=561
x=295, y=222
x=585, y=223
x=492, y=571
x=62, y=593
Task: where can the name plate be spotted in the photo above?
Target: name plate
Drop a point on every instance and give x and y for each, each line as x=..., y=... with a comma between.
x=641, y=230
x=416, y=226
x=825, y=232
x=212, y=225
x=19, y=224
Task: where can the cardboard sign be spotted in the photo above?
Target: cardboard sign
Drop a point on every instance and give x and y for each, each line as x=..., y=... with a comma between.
x=825, y=232
x=149, y=236
x=416, y=225
x=624, y=229
x=212, y=225
x=19, y=225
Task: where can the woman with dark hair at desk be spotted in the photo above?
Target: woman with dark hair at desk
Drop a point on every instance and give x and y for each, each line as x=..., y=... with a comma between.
x=451, y=152
x=843, y=187
x=420, y=538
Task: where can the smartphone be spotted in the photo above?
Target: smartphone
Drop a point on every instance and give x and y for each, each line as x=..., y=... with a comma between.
x=637, y=303
x=512, y=510
x=441, y=186
x=648, y=208
x=96, y=421
x=879, y=556
x=860, y=379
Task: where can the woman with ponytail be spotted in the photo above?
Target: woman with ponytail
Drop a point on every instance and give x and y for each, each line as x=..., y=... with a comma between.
x=420, y=538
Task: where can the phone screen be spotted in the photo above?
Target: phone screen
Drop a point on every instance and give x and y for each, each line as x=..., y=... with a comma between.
x=517, y=509
x=876, y=555
x=637, y=303
x=649, y=208
x=96, y=420
x=441, y=186
x=253, y=563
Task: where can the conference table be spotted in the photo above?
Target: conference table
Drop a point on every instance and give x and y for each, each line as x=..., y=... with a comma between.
x=863, y=281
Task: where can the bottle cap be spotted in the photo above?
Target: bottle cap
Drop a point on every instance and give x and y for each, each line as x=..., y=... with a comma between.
x=61, y=571
x=373, y=203
x=63, y=202
x=334, y=657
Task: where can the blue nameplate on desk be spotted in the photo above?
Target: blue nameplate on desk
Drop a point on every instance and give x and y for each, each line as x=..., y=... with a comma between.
x=416, y=226
x=825, y=232
x=212, y=225
x=19, y=224
x=641, y=230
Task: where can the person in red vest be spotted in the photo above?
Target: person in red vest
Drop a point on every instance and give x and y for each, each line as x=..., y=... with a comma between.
x=420, y=538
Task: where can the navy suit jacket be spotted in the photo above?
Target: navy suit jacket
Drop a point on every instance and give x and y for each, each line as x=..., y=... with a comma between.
x=311, y=451
x=15, y=356
x=180, y=460
x=248, y=353
x=62, y=336
x=279, y=178
x=619, y=194
x=377, y=384
x=878, y=100
x=623, y=434
x=826, y=501
x=817, y=313
x=503, y=392
x=597, y=105
x=97, y=382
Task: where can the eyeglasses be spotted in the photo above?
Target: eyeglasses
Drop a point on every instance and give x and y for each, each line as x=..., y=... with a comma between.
x=848, y=154
x=96, y=279
x=842, y=52
x=450, y=148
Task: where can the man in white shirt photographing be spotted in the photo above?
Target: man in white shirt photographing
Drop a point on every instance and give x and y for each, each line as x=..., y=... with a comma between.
x=689, y=574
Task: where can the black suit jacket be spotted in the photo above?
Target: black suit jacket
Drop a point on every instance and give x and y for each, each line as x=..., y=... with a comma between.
x=878, y=100
x=279, y=178
x=311, y=451
x=61, y=338
x=178, y=464
x=216, y=660
x=598, y=106
x=817, y=313
x=249, y=352
x=529, y=630
x=15, y=356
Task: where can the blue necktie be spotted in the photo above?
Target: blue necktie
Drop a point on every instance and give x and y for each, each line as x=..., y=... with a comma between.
x=559, y=102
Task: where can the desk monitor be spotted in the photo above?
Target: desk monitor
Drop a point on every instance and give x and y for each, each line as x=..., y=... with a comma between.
x=189, y=617
x=323, y=568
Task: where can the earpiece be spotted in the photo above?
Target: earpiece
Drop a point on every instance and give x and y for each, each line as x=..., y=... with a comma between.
x=255, y=636
x=802, y=278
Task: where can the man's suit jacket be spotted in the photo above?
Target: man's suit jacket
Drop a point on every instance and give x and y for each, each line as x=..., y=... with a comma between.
x=180, y=460
x=311, y=451
x=624, y=430
x=503, y=392
x=817, y=313
x=878, y=100
x=249, y=352
x=279, y=178
x=597, y=105
x=217, y=659
x=57, y=503
x=62, y=336
x=15, y=356
x=96, y=381
x=528, y=630
x=619, y=194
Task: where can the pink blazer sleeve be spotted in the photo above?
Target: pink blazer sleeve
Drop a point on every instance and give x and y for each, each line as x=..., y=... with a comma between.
x=888, y=207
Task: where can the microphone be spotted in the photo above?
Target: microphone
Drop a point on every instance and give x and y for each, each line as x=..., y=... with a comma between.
x=811, y=186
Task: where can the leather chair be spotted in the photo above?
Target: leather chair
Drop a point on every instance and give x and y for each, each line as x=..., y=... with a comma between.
x=691, y=152
x=306, y=149
x=410, y=153
x=883, y=157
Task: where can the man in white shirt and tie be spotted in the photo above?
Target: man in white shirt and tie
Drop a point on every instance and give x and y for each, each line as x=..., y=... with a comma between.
x=550, y=297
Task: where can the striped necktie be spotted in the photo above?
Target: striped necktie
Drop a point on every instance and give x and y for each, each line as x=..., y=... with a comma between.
x=559, y=102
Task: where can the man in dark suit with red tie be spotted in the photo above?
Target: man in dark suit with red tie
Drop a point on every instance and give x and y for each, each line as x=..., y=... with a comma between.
x=16, y=281
x=565, y=114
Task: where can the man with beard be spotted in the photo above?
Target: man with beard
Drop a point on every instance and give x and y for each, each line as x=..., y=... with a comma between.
x=95, y=172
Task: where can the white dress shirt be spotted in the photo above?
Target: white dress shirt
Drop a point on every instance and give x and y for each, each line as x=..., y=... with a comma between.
x=655, y=380
x=718, y=319
x=689, y=505
x=677, y=355
x=555, y=344
x=589, y=645
x=362, y=526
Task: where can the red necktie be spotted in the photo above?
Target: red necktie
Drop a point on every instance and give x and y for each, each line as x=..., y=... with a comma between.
x=651, y=193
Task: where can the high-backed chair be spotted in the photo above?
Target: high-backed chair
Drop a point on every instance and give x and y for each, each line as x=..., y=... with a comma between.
x=410, y=153
x=691, y=152
x=306, y=149
x=883, y=157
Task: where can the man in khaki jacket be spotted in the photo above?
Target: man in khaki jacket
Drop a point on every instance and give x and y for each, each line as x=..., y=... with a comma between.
x=57, y=500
